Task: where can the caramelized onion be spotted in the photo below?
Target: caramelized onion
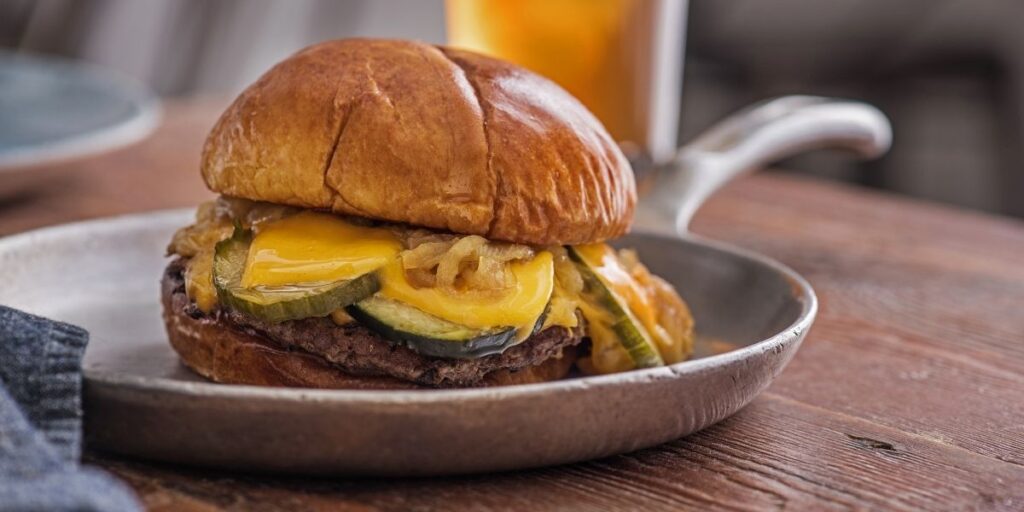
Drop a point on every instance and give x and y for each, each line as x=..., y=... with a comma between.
x=454, y=261
x=421, y=277
x=675, y=333
x=251, y=214
x=210, y=227
x=425, y=255
x=465, y=265
x=568, y=285
x=567, y=276
x=416, y=237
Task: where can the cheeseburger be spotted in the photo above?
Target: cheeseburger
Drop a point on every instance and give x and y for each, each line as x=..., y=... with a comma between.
x=393, y=214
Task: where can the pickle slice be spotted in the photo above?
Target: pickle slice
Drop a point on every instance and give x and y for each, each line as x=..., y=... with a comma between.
x=631, y=334
x=432, y=336
x=280, y=303
x=428, y=334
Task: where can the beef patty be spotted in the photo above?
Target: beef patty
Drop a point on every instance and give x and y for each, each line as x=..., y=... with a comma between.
x=357, y=350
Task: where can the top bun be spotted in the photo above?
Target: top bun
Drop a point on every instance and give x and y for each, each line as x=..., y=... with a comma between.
x=431, y=136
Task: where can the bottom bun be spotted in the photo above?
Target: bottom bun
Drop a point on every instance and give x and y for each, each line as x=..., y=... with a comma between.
x=225, y=354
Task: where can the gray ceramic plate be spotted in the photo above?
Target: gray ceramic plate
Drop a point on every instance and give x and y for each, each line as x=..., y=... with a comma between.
x=54, y=109
x=140, y=401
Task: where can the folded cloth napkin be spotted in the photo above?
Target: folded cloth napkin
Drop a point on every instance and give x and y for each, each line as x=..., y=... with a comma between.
x=41, y=421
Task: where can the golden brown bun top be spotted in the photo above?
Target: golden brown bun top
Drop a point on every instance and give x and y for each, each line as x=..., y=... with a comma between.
x=431, y=136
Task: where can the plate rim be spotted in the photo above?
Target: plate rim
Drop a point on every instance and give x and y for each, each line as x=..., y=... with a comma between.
x=108, y=138
x=804, y=293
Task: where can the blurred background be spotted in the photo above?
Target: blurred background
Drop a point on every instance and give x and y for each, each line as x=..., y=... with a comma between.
x=948, y=72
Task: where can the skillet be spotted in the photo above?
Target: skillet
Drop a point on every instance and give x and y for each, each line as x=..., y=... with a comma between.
x=140, y=401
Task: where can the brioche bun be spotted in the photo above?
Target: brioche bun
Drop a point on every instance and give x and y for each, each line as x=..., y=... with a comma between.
x=431, y=136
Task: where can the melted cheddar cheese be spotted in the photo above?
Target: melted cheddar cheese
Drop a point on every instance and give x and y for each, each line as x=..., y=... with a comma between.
x=607, y=355
x=313, y=247
x=519, y=307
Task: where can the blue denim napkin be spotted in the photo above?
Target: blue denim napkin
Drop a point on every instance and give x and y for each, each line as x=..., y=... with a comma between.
x=41, y=421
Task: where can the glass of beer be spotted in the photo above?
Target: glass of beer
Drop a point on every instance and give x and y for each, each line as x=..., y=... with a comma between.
x=622, y=58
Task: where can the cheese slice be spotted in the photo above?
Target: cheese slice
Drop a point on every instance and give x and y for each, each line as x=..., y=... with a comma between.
x=519, y=307
x=314, y=247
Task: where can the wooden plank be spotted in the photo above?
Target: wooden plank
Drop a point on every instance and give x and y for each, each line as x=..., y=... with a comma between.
x=852, y=220
x=931, y=275
x=776, y=454
x=868, y=373
x=923, y=336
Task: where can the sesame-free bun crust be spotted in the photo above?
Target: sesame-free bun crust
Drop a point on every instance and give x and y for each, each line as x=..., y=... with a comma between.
x=431, y=136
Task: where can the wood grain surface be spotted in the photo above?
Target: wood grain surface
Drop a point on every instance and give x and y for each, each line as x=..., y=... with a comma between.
x=907, y=395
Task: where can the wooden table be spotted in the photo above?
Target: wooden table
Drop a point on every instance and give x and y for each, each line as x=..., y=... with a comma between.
x=908, y=393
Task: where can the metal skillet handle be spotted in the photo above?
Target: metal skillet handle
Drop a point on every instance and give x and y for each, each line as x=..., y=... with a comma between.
x=752, y=138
